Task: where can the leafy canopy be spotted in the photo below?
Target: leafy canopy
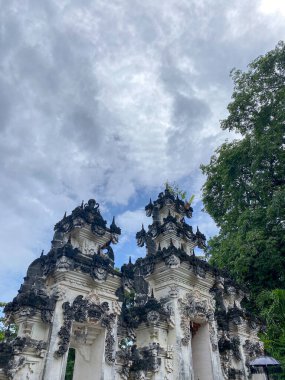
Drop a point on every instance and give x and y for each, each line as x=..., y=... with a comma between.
x=272, y=306
x=245, y=187
x=245, y=193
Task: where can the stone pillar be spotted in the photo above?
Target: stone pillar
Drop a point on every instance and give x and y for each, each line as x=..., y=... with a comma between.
x=55, y=366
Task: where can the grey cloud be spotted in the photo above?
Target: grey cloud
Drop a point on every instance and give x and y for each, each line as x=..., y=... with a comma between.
x=189, y=111
x=108, y=98
x=6, y=104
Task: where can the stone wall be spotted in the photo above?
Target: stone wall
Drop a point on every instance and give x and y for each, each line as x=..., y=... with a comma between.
x=168, y=316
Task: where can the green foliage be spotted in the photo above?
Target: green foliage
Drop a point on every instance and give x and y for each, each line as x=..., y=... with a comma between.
x=176, y=191
x=7, y=330
x=245, y=187
x=272, y=306
x=70, y=364
x=2, y=321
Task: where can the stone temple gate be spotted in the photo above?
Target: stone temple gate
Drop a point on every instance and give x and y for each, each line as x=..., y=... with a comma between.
x=169, y=315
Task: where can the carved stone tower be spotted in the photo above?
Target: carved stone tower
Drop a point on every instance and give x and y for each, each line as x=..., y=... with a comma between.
x=68, y=300
x=185, y=317
x=168, y=316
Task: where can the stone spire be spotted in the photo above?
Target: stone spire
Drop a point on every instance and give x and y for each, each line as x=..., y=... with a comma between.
x=85, y=224
x=169, y=226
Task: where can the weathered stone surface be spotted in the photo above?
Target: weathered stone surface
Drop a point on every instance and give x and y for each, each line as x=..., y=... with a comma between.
x=169, y=315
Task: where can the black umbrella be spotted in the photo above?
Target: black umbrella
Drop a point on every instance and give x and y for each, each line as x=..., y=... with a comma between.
x=264, y=362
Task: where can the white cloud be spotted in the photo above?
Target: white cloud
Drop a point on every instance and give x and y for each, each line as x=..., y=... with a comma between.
x=131, y=221
x=272, y=6
x=109, y=99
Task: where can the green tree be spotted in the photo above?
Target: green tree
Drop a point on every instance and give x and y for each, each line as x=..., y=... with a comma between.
x=2, y=322
x=245, y=187
x=272, y=306
x=244, y=191
x=7, y=330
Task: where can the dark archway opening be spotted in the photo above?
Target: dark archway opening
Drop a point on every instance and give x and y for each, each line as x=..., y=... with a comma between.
x=70, y=364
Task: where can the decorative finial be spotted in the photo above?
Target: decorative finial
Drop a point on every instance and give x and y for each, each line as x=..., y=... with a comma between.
x=42, y=253
x=113, y=224
x=92, y=203
x=130, y=260
x=64, y=216
x=114, y=228
x=82, y=204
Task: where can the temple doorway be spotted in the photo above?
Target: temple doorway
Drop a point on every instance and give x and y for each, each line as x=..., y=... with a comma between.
x=87, y=353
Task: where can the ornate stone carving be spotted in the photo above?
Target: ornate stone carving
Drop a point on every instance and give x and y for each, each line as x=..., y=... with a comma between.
x=100, y=273
x=64, y=264
x=58, y=292
x=142, y=319
x=27, y=328
x=172, y=261
x=124, y=357
x=190, y=310
x=15, y=365
x=87, y=213
x=169, y=359
x=185, y=325
x=81, y=311
x=88, y=247
x=32, y=298
x=93, y=297
x=200, y=271
x=109, y=347
x=174, y=291
x=153, y=317
x=213, y=337
x=13, y=354
x=140, y=375
x=252, y=349
x=27, y=312
x=80, y=334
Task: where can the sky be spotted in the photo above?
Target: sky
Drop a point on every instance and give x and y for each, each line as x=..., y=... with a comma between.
x=109, y=100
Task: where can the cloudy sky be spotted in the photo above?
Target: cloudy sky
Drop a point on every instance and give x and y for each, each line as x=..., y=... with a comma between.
x=108, y=100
